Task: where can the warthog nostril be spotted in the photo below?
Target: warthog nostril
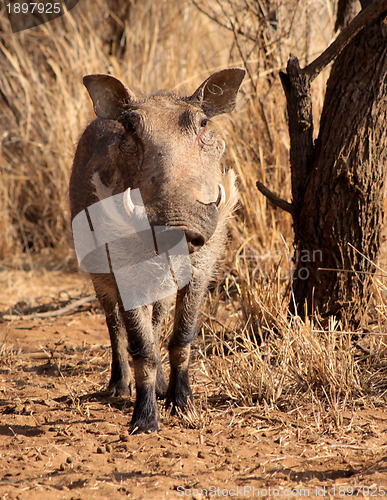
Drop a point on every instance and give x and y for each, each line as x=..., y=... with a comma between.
x=195, y=240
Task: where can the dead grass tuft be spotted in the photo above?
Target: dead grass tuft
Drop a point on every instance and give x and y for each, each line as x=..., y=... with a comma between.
x=264, y=357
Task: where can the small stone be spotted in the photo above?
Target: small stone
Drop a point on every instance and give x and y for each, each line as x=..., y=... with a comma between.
x=201, y=454
x=101, y=449
x=62, y=467
x=69, y=460
x=108, y=448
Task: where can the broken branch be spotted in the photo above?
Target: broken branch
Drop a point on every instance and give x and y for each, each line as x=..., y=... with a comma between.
x=276, y=200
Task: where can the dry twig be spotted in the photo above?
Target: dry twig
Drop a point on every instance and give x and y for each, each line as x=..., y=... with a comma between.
x=72, y=307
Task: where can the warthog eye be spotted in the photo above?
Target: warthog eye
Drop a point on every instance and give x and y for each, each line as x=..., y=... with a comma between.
x=204, y=122
x=130, y=120
x=204, y=134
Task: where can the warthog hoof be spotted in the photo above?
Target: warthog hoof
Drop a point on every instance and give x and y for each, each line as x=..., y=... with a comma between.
x=145, y=416
x=179, y=394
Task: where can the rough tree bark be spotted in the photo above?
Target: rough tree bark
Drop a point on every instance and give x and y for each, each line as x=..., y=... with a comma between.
x=338, y=183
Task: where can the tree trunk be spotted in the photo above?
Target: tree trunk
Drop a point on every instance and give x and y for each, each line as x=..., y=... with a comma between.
x=337, y=224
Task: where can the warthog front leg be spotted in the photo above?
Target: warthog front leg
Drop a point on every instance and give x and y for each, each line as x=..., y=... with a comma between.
x=121, y=380
x=188, y=302
x=146, y=360
x=160, y=310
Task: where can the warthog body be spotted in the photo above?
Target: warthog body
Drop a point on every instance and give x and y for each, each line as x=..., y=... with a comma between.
x=164, y=147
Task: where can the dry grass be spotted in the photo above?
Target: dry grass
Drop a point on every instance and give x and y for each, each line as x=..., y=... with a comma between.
x=259, y=354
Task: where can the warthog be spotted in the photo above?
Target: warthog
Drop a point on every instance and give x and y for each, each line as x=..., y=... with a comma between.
x=150, y=167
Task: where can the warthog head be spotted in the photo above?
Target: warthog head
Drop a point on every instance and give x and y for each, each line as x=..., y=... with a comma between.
x=169, y=150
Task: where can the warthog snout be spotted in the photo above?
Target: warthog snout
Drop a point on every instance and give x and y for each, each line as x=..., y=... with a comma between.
x=198, y=220
x=149, y=208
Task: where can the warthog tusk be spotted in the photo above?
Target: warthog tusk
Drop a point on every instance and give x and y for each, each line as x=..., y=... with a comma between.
x=128, y=203
x=222, y=196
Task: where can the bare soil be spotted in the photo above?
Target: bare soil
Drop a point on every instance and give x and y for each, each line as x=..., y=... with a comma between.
x=63, y=437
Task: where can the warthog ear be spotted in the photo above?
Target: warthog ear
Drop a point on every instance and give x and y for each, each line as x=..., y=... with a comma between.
x=218, y=93
x=109, y=95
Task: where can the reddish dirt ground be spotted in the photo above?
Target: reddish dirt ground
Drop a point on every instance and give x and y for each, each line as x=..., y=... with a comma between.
x=62, y=437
